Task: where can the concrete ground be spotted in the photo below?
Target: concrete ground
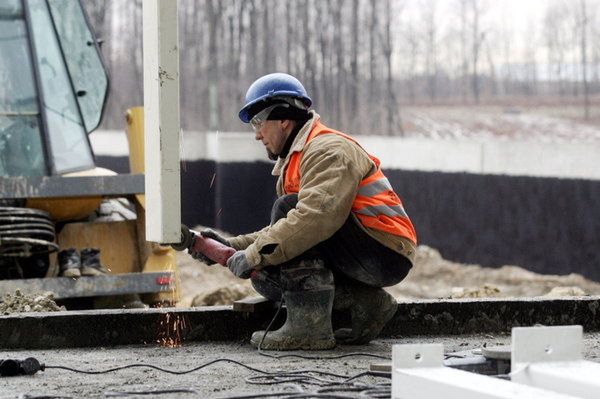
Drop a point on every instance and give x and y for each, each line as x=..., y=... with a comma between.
x=221, y=380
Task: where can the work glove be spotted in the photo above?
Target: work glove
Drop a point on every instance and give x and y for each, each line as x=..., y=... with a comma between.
x=208, y=233
x=238, y=264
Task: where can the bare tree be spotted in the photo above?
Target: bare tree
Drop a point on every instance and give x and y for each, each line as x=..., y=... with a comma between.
x=477, y=38
x=213, y=15
x=431, y=37
x=411, y=54
x=463, y=9
x=353, y=84
x=393, y=116
x=359, y=59
x=506, y=50
x=583, y=26
x=373, y=59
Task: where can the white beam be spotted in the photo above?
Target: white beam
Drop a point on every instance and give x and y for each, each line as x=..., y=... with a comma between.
x=418, y=372
x=551, y=357
x=161, y=121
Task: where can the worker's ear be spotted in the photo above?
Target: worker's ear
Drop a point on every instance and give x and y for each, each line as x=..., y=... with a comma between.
x=286, y=124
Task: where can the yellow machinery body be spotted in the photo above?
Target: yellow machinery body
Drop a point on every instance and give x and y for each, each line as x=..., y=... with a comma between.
x=122, y=244
x=57, y=48
x=72, y=208
x=155, y=257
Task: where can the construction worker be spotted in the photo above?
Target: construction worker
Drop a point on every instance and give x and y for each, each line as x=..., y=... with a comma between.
x=338, y=230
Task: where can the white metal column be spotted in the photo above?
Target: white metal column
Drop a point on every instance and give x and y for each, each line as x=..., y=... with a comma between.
x=551, y=357
x=161, y=121
x=418, y=372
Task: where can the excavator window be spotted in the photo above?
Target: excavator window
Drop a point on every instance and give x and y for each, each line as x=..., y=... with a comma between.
x=21, y=151
x=84, y=62
x=69, y=143
x=53, y=87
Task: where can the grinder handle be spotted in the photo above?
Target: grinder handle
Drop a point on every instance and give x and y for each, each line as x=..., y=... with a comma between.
x=195, y=242
x=212, y=249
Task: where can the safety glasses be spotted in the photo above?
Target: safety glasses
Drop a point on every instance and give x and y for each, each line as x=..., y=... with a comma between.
x=261, y=117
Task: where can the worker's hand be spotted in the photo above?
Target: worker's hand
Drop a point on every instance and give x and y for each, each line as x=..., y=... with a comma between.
x=238, y=264
x=210, y=233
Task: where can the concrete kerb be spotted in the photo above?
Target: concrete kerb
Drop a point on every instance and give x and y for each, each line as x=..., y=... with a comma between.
x=489, y=315
x=106, y=328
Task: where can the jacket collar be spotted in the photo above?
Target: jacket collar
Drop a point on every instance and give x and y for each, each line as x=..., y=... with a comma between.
x=298, y=143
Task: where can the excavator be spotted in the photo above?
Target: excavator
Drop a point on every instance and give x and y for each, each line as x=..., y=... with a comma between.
x=53, y=196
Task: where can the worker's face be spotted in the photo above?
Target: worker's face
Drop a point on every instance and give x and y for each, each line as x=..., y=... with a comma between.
x=273, y=135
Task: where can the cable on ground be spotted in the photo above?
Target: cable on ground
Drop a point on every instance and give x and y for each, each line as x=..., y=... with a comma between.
x=324, y=379
x=329, y=386
x=151, y=392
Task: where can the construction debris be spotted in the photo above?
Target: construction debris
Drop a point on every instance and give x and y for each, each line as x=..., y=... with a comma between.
x=486, y=291
x=223, y=295
x=566, y=291
x=19, y=302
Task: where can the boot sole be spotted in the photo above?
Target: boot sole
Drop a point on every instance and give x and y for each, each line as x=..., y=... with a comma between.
x=90, y=271
x=71, y=273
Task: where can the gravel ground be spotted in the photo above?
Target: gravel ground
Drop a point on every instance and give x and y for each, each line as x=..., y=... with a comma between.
x=222, y=380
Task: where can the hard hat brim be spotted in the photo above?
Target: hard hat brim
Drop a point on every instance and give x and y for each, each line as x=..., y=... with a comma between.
x=252, y=108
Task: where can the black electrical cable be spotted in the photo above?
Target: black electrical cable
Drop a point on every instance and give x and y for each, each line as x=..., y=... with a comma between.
x=328, y=389
x=151, y=366
x=288, y=395
x=152, y=392
x=270, y=378
x=44, y=397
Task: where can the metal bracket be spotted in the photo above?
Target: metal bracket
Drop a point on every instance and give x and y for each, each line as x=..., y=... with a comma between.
x=545, y=344
x=551, y=357
x=104, y=285
x=418, y=373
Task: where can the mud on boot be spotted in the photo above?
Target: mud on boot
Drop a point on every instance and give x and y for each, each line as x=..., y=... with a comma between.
x=370, y=310
x=308, y=295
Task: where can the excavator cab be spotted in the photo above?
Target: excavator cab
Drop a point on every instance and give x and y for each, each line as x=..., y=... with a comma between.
x=53, y=87
x=53, y=91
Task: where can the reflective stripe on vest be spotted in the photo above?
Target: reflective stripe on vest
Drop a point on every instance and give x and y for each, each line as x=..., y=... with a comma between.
x=376, y=204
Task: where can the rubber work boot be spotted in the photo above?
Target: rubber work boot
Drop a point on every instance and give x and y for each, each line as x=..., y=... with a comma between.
x=308, y=295
x=370, y=310
x=90, y=262
x=69, y=263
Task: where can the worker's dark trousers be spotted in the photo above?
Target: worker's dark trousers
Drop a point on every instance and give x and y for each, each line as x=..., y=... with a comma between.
x=350, y=254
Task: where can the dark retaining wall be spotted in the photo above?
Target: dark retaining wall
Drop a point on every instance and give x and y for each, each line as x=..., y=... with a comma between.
x=547, y=225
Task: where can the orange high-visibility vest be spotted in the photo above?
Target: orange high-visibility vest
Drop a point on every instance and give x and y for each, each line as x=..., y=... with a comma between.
x=376, y=204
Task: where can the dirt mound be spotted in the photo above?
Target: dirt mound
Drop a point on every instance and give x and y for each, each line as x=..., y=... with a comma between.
x=223, y=295
x=432, y=277
x=435, y=277
x=19, y=302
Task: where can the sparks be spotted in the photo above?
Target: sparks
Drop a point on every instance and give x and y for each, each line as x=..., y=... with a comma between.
x=170, y=327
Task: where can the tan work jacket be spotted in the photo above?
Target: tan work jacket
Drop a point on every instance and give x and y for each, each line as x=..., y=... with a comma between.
x=332, y=167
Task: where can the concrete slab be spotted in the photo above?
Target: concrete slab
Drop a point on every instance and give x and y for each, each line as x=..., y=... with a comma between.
x=221, y=323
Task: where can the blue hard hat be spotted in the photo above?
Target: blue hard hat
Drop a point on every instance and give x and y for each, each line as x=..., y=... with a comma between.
x=273, y=86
